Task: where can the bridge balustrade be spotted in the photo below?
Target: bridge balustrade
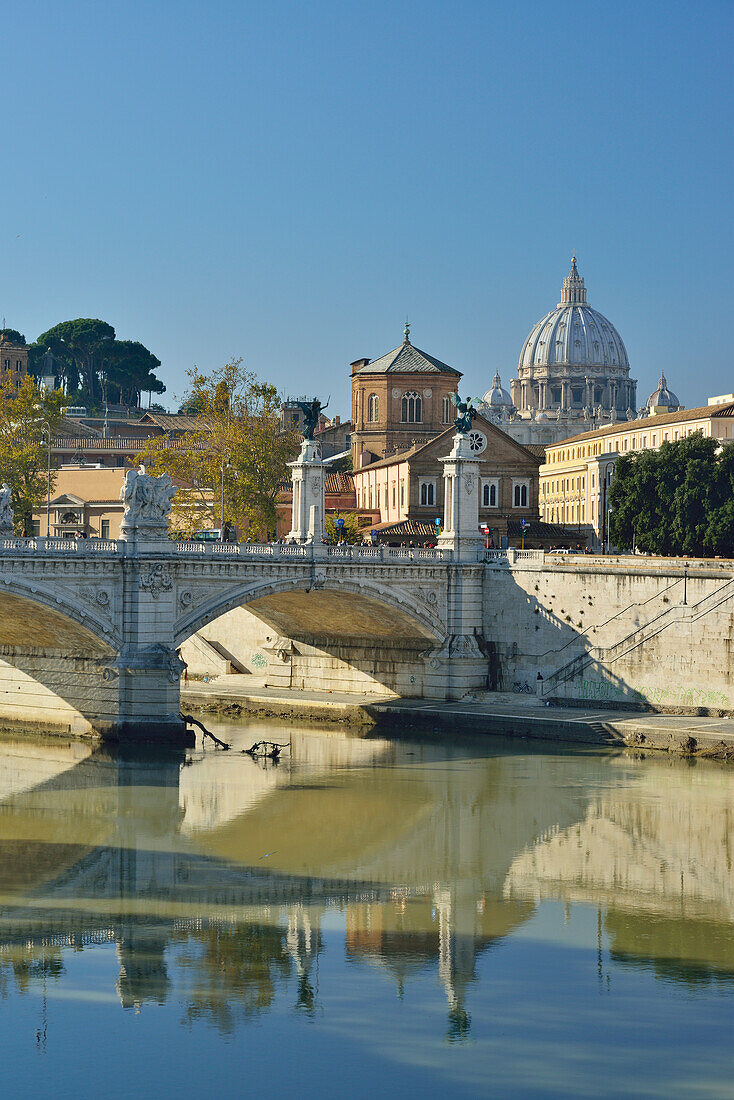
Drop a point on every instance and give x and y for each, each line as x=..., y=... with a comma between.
x=274, y=551
x=40, y=545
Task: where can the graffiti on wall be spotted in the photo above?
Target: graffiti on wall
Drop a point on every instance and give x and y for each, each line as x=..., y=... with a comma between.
x=657, y=696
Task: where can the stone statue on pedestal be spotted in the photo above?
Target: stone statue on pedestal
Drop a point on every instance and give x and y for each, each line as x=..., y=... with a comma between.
x=6, y=512
x=147, y=501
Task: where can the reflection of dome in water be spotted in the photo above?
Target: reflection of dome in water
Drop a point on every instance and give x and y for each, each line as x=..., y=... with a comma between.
x=573, y=333
x=497, y=397
x=662, y=397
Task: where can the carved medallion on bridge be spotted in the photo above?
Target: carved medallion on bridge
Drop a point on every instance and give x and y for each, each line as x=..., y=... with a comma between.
x=99, y=596
x=428, y=595
x=433, y=604
x=188, y=598
x=156, y=580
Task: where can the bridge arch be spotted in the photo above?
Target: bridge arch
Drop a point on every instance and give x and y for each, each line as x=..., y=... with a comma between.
x=54, y=653
x=324, y=608
x=31, y=613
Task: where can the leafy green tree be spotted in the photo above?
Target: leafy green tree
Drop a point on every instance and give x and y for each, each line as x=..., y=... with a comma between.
x=80, y=345
x=128, y=371
x=351, y=532
x=719, y=539
x=190, y=406
x=13, y=336
x=95, y=365
x=677, y=500
x=23, y=448
x=239, y=443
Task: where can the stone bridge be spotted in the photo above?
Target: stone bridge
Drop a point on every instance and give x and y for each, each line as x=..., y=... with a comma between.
x=89, y=629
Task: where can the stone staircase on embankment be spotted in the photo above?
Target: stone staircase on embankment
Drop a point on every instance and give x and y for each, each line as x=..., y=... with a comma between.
x=606, y=655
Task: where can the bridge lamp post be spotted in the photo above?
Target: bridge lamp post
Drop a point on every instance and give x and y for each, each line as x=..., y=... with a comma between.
x=226, y=464
x=46, y=428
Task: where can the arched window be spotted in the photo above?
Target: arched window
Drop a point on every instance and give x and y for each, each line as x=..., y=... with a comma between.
x=447, y=407
x=412, y=408
x=373, y=408
x=427, y=492
x=520, y=494
x=489, y=494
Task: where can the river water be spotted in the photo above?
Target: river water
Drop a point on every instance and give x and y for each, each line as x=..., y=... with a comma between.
x=368, y=917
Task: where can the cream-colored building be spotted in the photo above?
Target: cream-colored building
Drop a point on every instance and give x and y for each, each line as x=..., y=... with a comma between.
x=577, y=472
x=84, y=500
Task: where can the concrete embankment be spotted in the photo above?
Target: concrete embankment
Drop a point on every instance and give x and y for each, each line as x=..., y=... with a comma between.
x=494, y=714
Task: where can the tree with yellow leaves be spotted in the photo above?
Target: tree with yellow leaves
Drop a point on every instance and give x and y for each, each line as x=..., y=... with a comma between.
x=26, y=416
x=235, y=459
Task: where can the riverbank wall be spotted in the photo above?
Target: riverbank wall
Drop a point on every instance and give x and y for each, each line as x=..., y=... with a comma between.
x=490, y=714
x=633, y=633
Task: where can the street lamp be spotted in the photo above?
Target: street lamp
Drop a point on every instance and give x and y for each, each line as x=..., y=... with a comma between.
x=226, y=464
x=47, y=427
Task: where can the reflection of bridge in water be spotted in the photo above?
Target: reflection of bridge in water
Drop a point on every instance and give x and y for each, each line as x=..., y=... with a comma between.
x=223, y=869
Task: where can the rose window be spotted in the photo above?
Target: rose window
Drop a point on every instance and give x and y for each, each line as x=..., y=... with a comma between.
x=477, y=441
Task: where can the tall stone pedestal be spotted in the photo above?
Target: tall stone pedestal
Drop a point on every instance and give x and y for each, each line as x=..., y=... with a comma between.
x=147, y=669
x=461, y=502
x=307, y=524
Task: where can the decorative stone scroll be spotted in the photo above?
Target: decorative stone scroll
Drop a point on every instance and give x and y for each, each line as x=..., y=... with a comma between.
x=156, y=580
x=147, y=504
x=6, y=512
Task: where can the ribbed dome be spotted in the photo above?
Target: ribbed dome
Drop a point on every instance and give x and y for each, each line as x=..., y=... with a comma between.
x=662, y=396
x=497, y=397
x=574, y=334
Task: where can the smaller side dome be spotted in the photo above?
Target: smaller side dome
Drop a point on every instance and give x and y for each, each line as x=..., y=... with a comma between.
x=663, y=397
x=497, y=396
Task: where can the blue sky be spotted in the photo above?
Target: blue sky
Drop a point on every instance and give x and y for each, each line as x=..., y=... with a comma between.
x=285, y=181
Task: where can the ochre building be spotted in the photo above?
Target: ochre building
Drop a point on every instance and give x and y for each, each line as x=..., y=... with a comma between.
x=577, y=473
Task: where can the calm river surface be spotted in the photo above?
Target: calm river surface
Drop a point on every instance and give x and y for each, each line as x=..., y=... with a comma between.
x=370, y=917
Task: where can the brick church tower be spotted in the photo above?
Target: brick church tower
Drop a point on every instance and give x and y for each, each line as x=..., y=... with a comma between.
x=399, y=399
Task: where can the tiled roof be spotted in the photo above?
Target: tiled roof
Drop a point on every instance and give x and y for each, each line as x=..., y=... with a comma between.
x=333, y=483
x=399, y=456
x=339, y=483
x=67, y=428
x=649, y=422
x=405, y=527
x=537, y=449
x=406, y=359
x=175, y=422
